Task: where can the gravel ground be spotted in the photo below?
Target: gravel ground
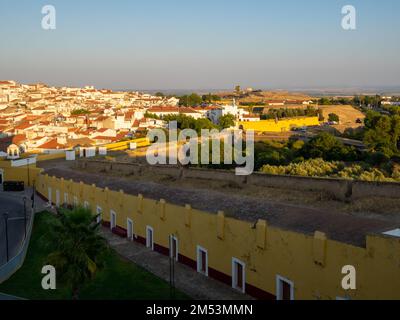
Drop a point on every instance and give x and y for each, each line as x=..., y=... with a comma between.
x=338, y=225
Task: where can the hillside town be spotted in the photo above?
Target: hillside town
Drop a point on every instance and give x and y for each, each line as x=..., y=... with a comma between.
x=48, y=119
x=42, y=118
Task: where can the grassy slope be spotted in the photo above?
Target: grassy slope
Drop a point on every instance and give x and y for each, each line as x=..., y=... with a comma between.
x=119, y=279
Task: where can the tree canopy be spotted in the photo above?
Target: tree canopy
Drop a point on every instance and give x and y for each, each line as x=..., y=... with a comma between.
x=190, y=100
x=382, y=133
x=227, y=121
x=77, y=248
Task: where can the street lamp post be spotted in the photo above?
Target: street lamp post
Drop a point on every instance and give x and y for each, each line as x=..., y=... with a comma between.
x=5, y=216
x=25, y=214
x=33, y=197
x=28, y=172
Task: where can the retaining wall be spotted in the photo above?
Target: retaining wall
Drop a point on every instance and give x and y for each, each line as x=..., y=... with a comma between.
x=340, y=189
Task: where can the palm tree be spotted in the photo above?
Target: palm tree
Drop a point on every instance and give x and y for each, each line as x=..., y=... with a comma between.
x=77, y=247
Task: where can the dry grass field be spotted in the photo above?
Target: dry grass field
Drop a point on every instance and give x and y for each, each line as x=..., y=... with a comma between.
x=348, y=116
x=267, y=95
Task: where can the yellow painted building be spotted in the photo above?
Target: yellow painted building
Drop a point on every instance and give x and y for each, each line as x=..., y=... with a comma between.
x=8, y=172
x=264, y=261
x=278, y=126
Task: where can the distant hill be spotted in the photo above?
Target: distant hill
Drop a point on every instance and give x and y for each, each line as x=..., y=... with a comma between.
x=262, y=96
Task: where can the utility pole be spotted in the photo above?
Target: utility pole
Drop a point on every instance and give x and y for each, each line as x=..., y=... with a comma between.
x=33, y=197
x=171, y=270
x=28, y=172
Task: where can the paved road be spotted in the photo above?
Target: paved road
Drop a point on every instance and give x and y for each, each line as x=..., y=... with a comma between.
x=12, y=204
x=8, y=297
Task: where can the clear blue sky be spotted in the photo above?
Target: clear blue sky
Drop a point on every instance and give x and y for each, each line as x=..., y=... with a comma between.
x=185, y=44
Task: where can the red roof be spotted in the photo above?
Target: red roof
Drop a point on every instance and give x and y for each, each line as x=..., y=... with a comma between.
x=52, y=144
x=5, y=82
x=163, y=109
x=101, y=118
x=23, y=126
x=187, y=110
x=19, y=138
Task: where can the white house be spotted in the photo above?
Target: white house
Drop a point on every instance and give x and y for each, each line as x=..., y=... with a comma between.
x=190, y=112
x=215, y=113
x=163, y=111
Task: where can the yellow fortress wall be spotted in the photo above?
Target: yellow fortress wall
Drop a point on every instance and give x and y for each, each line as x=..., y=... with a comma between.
x=278, y=126
x=312, y=262
x=19, y=173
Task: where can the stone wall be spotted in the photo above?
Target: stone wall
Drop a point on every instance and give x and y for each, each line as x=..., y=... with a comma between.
x=340, y=189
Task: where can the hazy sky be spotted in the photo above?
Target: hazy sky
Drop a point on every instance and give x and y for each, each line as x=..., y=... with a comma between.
x=185, y=44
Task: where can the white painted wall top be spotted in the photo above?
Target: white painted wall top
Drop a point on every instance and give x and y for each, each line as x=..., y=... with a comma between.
x=393, y=233
x=23, y=162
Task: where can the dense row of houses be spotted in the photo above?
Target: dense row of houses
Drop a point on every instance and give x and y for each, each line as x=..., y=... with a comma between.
x=42, y=118
x=39, y=118
x=46, y=119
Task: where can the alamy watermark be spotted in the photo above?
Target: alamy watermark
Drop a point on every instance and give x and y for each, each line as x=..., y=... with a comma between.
x=49, y=18
x=349, y=280
x=349, y=20
x=49, y=280
x=184, y=147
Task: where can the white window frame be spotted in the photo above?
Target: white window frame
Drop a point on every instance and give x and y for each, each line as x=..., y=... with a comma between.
x=113, y=219
x=65, y=198
x=49, y=194
x=76, y=202
x=129, y=230
x=86, y=204
x=279, y=279
x=99, y=212
x=200, y=248
x=57, y=198
x=148, y=244
x=173, y=238
x=236, y=261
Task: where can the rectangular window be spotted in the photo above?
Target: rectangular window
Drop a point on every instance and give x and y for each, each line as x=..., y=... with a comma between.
x=99, y=213
x=238, y=275
x=173, y=247
x=284, y=289
x=86, y=205
x=49, y=195
x=57, y=198
x=65, y=198
x=149, y=238
x=113, y=219
x=202, y=260
x=129, y=228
